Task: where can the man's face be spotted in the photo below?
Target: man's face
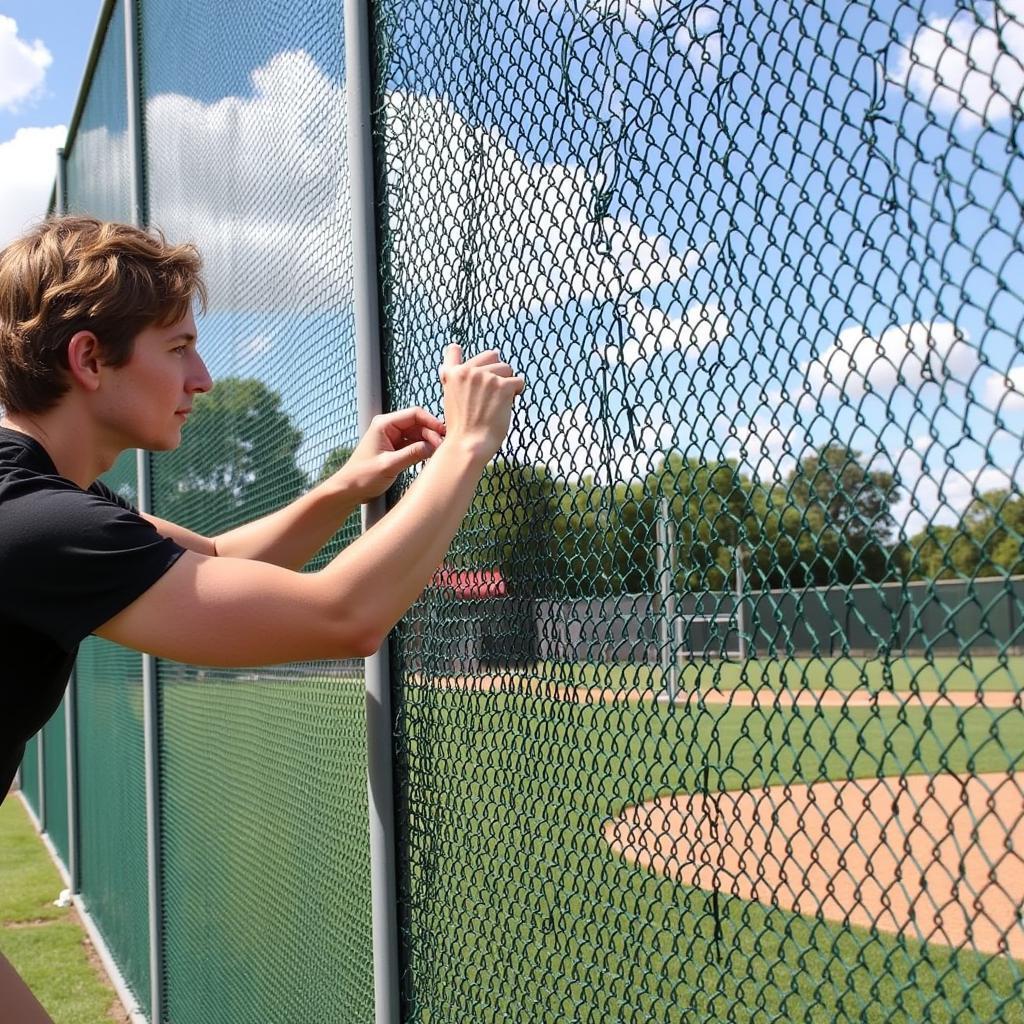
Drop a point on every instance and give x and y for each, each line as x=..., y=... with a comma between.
x=149, y=398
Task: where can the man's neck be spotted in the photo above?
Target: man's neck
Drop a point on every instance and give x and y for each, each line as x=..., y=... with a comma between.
x=69, y=440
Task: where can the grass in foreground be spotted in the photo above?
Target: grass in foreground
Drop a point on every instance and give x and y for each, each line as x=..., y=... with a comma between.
x=46, y=944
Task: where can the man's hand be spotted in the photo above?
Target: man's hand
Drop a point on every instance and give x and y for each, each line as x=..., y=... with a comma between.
x=394, y=441
x=478, y=397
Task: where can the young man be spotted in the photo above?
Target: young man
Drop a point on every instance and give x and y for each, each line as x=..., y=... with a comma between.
x=98, y=355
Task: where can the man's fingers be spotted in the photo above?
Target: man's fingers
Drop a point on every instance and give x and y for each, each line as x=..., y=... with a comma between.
x=483, y=358
x=404, y=419
x=452, y=356
x=409, y=456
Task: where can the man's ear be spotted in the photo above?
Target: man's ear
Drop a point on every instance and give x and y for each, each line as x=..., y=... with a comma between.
x=84, y=359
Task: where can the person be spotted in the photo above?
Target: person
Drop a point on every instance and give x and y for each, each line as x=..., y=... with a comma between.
x=99, y=354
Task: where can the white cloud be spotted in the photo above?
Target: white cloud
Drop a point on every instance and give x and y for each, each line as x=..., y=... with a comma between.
x=912, y=355
x=656, y=333
x=529, y=228
x=572, y=444
x=932, y=492
x=22, y=65
x=1005, y=394
x=967, y=62
x=28, y=166
x=763, y=449
x=255, y=346
x=533, y=242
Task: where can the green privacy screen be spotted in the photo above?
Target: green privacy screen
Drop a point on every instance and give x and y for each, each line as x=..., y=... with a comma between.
x=30, y=774
x=263, y=772
x=55, y=781
x=714, y=713
x=109, y=728
x=111, y=788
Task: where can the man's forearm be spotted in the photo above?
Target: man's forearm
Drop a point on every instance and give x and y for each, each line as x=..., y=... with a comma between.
x=387, y=568
x=294, y=534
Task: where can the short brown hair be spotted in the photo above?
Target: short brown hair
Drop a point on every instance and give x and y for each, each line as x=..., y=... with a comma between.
x=71, y=274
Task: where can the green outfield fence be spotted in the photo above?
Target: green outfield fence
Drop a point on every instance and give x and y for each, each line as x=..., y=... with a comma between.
x=714, y=711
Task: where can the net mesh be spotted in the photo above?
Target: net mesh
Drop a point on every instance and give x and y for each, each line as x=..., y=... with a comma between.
x=98, y=163
x=263, y=772
x=715, y=710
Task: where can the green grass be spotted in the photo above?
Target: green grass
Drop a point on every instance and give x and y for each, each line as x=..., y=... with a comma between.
x=514, y=907
x=946, y=674
x=46, y=944
x=513, y=892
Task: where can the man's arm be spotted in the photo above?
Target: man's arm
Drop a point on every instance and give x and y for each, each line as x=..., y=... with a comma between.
x=291, y=536
x=231, y=611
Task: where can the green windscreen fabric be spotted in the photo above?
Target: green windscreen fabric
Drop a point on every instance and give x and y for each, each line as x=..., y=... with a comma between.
x=30, y=774
x=98, y=163
x=714, y=711
x=111, y=788
x=55, y=781
x=263, y=771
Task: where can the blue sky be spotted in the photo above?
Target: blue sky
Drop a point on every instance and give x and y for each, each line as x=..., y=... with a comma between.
x=64, y=30
x=707, y=229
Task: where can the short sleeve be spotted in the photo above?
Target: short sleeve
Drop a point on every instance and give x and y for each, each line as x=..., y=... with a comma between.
x=72, y=559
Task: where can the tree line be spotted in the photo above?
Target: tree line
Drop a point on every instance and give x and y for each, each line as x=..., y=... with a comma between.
x=829, y=522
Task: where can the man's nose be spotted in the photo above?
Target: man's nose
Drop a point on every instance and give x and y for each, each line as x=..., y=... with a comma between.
x=200, y=380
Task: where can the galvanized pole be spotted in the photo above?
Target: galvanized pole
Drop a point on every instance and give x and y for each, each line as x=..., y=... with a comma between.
x=150, y=705
x=673, y=608
x=740, y=586
x=664, y=567
x=370, y=385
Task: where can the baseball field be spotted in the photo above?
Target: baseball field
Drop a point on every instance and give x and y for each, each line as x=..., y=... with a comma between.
x=573, y=855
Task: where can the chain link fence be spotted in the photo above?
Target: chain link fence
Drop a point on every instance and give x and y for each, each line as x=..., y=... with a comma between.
x=714, y=711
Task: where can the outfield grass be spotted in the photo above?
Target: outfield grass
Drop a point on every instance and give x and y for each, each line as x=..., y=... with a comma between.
x=988, y=674
x=46, y=944
x=514, y=907
x=514, y=893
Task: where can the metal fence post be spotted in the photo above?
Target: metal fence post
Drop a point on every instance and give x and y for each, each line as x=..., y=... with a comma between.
x=369, y=379
x=151, y=708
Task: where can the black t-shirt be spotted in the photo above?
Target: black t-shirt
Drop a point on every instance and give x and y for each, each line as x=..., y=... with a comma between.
x=69, y=561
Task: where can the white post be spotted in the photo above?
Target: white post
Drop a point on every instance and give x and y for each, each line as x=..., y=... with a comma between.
x=740, y=587
x=668, y=624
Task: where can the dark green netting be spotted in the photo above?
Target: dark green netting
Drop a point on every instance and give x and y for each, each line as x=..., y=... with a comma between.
x=264, y=825
x=30, y=774
x=98, y=161
x=111, y=789
x=715, y=713
x=55, y=781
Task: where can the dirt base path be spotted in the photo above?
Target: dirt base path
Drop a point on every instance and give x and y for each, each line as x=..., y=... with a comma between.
x=763, y=697
x=932, y=858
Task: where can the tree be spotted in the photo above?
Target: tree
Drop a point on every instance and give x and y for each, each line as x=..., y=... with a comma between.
x=838, y=514
x=986, y=542
x=237, y=459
